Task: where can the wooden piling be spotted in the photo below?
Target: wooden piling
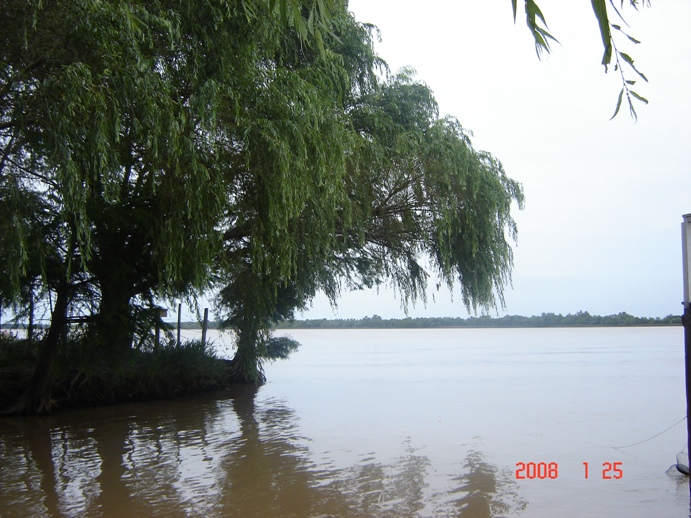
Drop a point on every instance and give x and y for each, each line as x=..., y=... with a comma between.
x=204, y=325
x=30, y=330
x=179, y=322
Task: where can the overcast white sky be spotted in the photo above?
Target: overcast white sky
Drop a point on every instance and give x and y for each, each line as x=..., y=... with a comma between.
x=601, y=228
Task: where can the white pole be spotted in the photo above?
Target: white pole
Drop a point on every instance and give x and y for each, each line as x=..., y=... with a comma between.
x=686, y=321
x=686, y=257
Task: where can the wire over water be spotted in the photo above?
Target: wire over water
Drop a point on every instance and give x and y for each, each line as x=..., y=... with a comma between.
x=649, y=438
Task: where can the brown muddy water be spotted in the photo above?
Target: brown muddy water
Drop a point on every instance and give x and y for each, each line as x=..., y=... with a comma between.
x=395, y=423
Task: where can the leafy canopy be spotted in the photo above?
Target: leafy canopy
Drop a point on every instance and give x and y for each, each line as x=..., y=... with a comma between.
x=357, y=185
x=156, y=149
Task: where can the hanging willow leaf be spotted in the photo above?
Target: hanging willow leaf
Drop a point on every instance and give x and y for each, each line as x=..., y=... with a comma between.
x=538, y=28
x=325, y=12
x=632, y=110
x=616, y=110
x=534, y=18
x=629, y=61
x=631, y=38
x=283, y=11
x=248, y=7
x=299, y=21
x=639, y=97
x=320, y=41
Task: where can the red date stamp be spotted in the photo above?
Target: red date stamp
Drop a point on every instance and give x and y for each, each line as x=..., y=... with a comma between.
x=541, y=470
x=610, y=470
x=550, y=470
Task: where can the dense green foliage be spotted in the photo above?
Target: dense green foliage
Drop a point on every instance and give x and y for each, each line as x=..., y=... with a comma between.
x=352, y=189
x=157, y=149
x=113, y=190
x=580, y=319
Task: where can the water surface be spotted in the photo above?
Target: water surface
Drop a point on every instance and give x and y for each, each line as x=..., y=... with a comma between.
x=382, y=423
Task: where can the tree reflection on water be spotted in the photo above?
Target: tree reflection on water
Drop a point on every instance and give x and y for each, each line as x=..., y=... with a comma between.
x=485, y=491
x=230, y=455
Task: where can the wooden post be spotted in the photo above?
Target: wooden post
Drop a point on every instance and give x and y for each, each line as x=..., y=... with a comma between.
x=160, y=313
x=158, y=332
x=30, y=330
x=179, y=316
x=204, y=325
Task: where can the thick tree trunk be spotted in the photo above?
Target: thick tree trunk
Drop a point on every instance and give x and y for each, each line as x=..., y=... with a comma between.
x=245, y=366
x=36, y=398
x=113, y=329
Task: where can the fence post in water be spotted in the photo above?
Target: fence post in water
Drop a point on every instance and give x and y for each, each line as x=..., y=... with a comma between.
x=30, y=330
x=204, y=325
x=158, y=334
x=686, y=320
x=179, y=315
x=160, y=313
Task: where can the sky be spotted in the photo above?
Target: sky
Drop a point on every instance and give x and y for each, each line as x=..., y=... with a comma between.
x=600, y=231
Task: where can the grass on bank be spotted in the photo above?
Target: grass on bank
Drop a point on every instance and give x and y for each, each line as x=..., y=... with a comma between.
x=84, y=378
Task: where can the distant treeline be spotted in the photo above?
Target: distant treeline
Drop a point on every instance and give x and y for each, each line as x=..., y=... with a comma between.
x=580, y=319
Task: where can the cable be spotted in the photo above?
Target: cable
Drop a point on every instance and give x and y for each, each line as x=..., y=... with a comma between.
x=649, y=438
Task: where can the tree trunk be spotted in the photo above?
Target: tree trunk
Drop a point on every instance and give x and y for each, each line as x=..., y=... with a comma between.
x=36, y=398
x=245, y=365
x=113, y=329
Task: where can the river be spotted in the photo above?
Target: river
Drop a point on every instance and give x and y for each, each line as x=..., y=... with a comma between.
x=472, y=423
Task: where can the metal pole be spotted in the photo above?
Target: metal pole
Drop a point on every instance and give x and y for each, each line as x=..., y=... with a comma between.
x=686, y=321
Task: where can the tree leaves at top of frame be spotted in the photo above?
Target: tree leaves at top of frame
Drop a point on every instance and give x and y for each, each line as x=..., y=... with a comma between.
x=537, y=24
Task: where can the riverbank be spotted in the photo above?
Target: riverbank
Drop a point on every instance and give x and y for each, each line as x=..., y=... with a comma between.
x=81, y=379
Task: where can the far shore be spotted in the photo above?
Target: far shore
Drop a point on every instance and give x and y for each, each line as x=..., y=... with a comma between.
x=580, y=319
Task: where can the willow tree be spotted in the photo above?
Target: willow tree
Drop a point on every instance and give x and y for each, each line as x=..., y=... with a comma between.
x=107, y=120
x=357, y=184
x=136, y=128
x=163, y=145
x=290, y=182
x=421, y=189
x=415, y=189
